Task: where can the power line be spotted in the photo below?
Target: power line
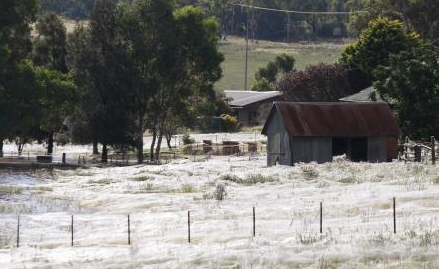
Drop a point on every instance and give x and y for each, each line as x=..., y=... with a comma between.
x=301, y=12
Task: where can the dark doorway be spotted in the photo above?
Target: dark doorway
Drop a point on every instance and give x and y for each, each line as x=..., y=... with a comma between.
x=359, y=149
x=340, y=146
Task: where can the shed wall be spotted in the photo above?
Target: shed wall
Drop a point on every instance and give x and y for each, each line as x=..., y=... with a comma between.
x=278, y=147
x=316, y=149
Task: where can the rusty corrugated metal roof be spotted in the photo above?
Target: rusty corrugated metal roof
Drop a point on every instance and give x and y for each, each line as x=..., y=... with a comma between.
x=335, y=119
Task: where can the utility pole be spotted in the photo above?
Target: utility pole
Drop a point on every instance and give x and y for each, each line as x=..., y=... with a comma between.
x=246, y=53
x=253, y=21
x=288, y=28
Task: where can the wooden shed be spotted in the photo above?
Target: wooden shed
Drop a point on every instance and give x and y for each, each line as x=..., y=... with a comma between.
x=316, y=132
x=250, y=107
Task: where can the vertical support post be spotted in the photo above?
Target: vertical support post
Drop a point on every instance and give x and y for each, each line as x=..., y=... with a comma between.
x=246, y=53
x=321, y=217
x=394, y=215
x=254, y=222
x=189, y=226
x=64, y=158
x=288, y=28
x=72, y=230
x=83, y=159
x=18, y=231
x=79, y=159
x=433, y=150
x=129, y=230
x=406, y=149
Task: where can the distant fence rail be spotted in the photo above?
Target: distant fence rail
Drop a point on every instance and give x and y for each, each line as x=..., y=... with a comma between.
x=418, y=151
x=196, y=151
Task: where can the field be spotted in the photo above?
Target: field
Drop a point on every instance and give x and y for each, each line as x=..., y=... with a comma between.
x=357, y=215
x=305, y=53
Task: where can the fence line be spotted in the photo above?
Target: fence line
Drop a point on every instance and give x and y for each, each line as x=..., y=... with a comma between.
x=203, y=150
x=189, y=224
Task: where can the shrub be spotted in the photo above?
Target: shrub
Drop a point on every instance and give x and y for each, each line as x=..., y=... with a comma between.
x=309, y=172
x=229, y=123
x=187, y=188
x=187, y=140
x=250, y=179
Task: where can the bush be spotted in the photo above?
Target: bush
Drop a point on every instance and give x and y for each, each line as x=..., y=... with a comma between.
x=317, y=83
x=187, y=140
x=229, y=123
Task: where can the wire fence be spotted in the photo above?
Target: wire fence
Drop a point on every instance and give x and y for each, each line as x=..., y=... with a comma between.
x=85, y=230
x=196, y=151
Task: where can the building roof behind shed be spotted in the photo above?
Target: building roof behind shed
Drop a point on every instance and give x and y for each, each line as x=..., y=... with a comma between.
x=335, y=119
x=365, y=95
x=245, y=98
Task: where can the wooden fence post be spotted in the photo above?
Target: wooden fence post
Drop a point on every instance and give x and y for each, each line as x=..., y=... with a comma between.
x=254, y=222
x=18, y=231
x=406, y=148
x=189, y=227
x=72, y=230
x=394, y=215
x=64, y=158
x=418, y=153
x=129, y=230
x=433, y=150
x=321, y=217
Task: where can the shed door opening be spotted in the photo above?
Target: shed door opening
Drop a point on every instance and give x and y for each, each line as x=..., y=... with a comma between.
x=359, y=149
x=340, y=146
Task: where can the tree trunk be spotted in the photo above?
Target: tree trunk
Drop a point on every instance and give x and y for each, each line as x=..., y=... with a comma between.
x=159, y=144
x=104, y=156
x=169, y=140
x=140, y=146
x=95, y=148
x=1, y=147
x=50, y=144
x=151, y=150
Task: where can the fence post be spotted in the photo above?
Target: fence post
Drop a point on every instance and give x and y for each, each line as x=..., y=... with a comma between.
x=79, y=159
x=64, y=158
x=129, y=230
x=406, y=148
x=72, y=229
x=321, y=217
x=189, y=226
x=433, y=150
x=254, y=222
x=394, y=215
x=18, y=231
x=418, y=153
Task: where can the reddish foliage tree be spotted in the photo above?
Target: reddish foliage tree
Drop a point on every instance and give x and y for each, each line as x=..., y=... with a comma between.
x=318, y=83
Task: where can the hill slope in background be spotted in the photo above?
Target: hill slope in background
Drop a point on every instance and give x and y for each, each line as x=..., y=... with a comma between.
x=260, y=53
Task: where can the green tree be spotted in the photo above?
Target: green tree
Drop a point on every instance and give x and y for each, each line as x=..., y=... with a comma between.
x=411, y=83
x=380, y=40
x=99, y=62
x=50, y=52
x=15, y=19
x=417, y=15
x=50, y=45
x=191, y=80
x=58, y=100
x=266, y=77
x=148, y=31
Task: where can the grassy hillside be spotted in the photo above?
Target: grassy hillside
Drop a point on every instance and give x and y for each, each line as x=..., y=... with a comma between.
x=234, y=51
